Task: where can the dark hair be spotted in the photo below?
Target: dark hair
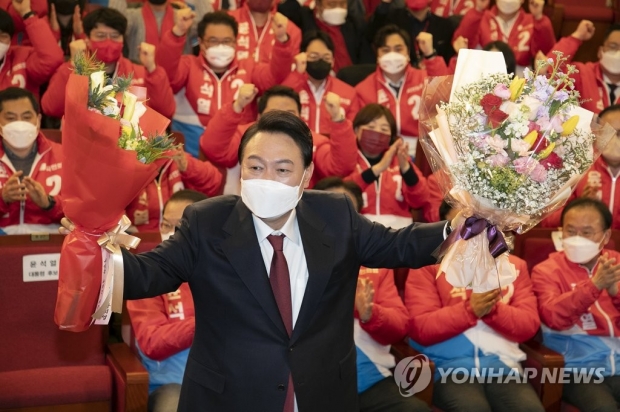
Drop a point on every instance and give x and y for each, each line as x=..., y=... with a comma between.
x=16, y=93
x=186, y=195
x=614, y=27
x=279, y=121
x=609, y=109
x=386, y=31
x=373, y=111
x=278, y=91
x=509, y=55
x=444, y=209
x=217, y=17
x=6, y=23
x=585, y=202
x=319, y=35
x=107, y=16
x=335, y=182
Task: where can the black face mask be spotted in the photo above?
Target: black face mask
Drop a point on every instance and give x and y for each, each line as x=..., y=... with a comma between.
x=318, y=69
x=157, y=2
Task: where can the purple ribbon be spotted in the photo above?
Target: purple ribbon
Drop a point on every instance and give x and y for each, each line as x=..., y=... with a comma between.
x=474, y=226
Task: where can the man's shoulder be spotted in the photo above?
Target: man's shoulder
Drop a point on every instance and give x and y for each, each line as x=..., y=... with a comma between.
x=215, y=206
x=325, y=203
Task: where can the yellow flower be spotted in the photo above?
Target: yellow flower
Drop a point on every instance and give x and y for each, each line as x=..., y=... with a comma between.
x=531, y=137
x=129, y=101
x=545, y=153
x=516, y=87
x=569, y=126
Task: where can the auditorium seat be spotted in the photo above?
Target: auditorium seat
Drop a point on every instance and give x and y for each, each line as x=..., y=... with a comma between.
x=52, y=134
x=45, y=369
x=354, y=74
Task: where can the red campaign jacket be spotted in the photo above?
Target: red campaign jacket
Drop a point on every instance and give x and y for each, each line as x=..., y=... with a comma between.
x=30, y=66
x=526, y=38
x=47, y=170
x=316, y=116
x=158, y=91
x=146, y=210
x=206, y=92
x=565, y=292
x=433, y=201
x=389, y=195
x=439, y=311
x=447, y=8
x=332, y=157
x=388, y=323
x=21, y=35
x=406, y=106
x=255, y=44
x=163, y=325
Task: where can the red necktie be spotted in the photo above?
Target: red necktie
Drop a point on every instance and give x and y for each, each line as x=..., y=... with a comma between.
x=281, y=286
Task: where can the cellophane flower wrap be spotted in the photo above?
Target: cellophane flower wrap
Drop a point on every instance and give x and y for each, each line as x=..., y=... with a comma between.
x=507, y=151
x=110, y=155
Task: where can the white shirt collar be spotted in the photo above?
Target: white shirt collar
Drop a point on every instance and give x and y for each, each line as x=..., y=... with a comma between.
x=290, y=228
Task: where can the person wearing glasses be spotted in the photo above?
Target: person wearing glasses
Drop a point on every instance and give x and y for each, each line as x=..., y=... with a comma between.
x=105, y=30
x=579, y=306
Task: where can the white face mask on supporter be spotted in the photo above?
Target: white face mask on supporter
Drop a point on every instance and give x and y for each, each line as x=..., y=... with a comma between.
x=610, y=60
x=19, y=134
x=3, y=49
x=392, y=62
x=335, y=17
x=269, y=199
x=579, y=249
x=220, y=56
x=508, y=6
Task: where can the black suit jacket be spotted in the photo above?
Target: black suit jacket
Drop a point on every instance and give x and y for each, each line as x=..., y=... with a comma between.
x=241, y=355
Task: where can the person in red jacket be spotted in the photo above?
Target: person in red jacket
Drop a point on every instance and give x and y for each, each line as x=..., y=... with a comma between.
x=579, y=306
x=447, y=8
x=164, y=325
x=27, y=67
x=21, y=36
x=256, y=36
x=474, y=333
x=184, y=171
x=392, y=184
x=526, y=33
x=333, y=156
x=30, y=168
x=395, y=84
x=105, y=29
x=313, y=81
x=212, y=79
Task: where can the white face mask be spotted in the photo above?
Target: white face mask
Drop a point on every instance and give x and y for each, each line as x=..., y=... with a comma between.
x=269, y=199
x=580, y=250
x=335, y=17
x=508, y=6
x=392, y=62
x=3, y=49
x=220, y=56
x=165, y=236
x=610, y=60
x=19, y=134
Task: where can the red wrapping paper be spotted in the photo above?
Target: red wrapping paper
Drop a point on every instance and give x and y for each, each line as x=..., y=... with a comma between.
x=99, y=180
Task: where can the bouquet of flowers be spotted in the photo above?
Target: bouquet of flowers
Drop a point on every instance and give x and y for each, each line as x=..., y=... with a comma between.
x=113, y=146
x=507, y=152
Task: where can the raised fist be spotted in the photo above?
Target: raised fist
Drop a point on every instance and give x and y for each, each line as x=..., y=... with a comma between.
x=183, y=20
x=247, y=93
x=279, y=23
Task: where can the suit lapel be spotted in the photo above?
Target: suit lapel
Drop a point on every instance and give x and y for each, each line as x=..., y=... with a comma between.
x=243, y=253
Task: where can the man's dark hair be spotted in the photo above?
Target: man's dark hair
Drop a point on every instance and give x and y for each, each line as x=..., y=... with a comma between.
x=105, y=15
x=373, y=111
x=585, y=202
x=186, y=195
x=278, y=91
x=614, y=27
x=16, y=93
x=509, y=55
x=335, y=182
x=444, y=209
x=313, y=35
x=386, y=31
x=279, y=121
x=6, y=23
x=217, y=17
x=609, y=109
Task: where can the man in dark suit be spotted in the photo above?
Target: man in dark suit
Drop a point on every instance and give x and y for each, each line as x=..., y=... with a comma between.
x=263, y=343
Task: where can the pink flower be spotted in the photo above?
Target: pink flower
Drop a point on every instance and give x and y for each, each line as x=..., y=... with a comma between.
x=502, y=91
x=533, y=126
x=524, y=165
x=498, y=160
x=539, y=173
x=498, y=144
x=519, y=146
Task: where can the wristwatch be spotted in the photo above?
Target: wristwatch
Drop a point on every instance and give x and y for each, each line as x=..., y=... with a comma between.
x=28, y=15
x=52, y=203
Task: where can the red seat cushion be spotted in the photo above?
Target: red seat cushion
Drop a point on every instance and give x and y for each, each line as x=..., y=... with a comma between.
x=592, y=11
x=55, y=386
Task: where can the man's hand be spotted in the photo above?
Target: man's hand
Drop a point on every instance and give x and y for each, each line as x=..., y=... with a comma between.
x=332, y=104
x=590, y=191
x=77, y=46
x=459, y=43
x=403, y=157
x=425, y=43
x=364, y=294
x=54, y=25
x=279, y=23
x=482, y=5
x=37, y=192
x=183, y=20
x=482, y=303
x=67, y=226
x=22, y=6
x=536, y=8
x=301, y=62
x=247, y=93
x=14, y=190
x=181, y=160
x=78, y=27
x=147, y=56
x=386, y=160
x=607, y=273
x=584, y=31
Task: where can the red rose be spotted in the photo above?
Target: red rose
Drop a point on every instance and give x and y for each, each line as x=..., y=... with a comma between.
x=540, y=143
x=553, y=161
x=496, y=118
x=490, y=103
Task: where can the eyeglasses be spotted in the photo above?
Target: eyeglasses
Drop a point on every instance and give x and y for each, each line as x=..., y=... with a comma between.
x=212, y=42
x=100, y=36
x=612, y=46
x=312, y=57
x=166, y=227
x=587, y=233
